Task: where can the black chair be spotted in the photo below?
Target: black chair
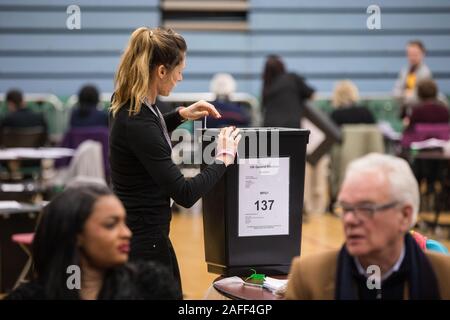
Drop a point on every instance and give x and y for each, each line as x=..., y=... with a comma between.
x=25, y=137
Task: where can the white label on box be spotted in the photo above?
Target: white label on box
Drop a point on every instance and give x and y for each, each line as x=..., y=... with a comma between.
x=263, y=197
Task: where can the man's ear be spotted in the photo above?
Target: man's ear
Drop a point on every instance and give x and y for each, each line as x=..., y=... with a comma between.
x=406, y=217
x=161, y=71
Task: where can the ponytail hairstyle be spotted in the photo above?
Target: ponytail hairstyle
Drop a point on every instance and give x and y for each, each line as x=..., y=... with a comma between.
x=147, y=49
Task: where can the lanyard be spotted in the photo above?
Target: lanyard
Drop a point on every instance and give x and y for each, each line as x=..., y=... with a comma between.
x=159, y=115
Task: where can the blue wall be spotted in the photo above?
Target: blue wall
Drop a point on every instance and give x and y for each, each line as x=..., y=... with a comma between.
x=324, y=40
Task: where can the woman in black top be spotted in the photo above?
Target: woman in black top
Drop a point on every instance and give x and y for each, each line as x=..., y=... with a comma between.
x=345, y=99
x=143, y=174
x=283, y=96
x=80, y=251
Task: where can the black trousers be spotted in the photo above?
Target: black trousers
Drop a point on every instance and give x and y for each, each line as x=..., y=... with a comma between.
x=150, y=242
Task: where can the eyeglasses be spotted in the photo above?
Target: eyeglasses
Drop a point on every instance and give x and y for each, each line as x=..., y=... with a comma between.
x=363, y=211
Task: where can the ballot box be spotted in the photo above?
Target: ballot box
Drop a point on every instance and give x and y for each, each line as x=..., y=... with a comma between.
x=252, y=217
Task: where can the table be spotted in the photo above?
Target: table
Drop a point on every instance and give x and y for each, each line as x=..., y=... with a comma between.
x=35, y=153
x=8, y=208
x=27, y=163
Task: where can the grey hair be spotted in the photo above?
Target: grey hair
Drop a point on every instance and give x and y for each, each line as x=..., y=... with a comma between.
x=404, y=186
x=223, y=84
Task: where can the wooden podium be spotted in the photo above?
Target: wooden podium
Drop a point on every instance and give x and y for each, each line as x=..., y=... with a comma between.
x=252, y=218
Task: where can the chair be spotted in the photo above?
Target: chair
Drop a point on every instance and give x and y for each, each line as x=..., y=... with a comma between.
x=428, y=171
x=27, y=137
x=424, y=131
x=24, y=240
x=357, y=141
x=75, y=136
x=23, y=137
x=87, y=163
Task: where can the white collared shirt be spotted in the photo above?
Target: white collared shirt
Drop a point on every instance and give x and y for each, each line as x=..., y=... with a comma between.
x=386, y=275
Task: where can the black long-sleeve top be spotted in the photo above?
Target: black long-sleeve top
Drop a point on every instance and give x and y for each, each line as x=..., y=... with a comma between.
x=143, y=175
x=284, y=101
x=352, y=115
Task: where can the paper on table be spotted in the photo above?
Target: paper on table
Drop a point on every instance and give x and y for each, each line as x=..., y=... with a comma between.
x=7, y=155
x=274, y=285
x=230, y=280
x=9, y=205
x=428, y=144
x=12, y=187
x=36, y=153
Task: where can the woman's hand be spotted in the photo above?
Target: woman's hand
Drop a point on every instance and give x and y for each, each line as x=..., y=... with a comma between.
x=227, y=144
x=198, y=110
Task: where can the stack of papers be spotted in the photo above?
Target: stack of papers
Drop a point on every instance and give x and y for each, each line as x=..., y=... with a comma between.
x=10, y=205
x=230, y=280
x=428, y=144
x=276, y=286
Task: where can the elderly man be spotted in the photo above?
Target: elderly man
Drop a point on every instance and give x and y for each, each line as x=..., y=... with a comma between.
x=378, y=203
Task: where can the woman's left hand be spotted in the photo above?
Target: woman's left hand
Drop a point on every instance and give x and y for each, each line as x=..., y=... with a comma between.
x=198, y=110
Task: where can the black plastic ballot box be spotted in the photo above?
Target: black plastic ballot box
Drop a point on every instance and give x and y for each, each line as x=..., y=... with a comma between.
x=252, y=218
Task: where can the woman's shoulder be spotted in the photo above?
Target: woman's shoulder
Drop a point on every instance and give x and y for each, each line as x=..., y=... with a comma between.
x=142, y=281
x=27, y=291
x=144, y=116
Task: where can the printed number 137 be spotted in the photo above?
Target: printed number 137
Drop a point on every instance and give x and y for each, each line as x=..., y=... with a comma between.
x=264, y=205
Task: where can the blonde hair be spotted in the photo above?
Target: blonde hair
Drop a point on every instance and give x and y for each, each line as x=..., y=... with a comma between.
x=345, y=94
x=147, y=49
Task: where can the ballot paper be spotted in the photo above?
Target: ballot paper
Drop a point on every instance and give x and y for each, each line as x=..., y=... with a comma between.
x=431, y=143
x=9, y=205
x=263, y=197
x=35, y=153
x=230, y=280
x=276, y=286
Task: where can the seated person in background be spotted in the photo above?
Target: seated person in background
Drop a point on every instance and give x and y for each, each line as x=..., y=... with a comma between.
x=345, y=99
x=429, y=109
x=19, y=116
x=232, y=114
x=378, y=203
x=85, y=227
x=86, y=114
x=416, y=70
